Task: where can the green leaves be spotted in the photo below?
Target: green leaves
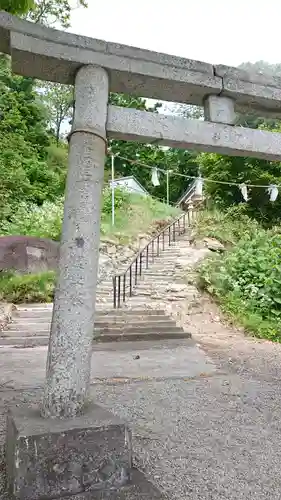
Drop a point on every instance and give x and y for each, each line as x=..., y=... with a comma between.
x=247, y=281
x=58, y=100
x=25, y=175
x=53, y=12
x=16, y=6
x=243, y=170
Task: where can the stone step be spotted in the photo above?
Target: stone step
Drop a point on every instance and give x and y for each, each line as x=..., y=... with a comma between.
x=132, y=312
x=139, y=290
x=142, y=282
x=34, y=329
x=137, y=336
x=28, y=313
x=136, y=322
x=24, y=332
x=100, y=321
x=25, y=341
x=112, y=336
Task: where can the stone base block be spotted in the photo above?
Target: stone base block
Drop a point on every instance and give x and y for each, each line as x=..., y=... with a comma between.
x=219, y=109
x=139, y=489
x=52, y=458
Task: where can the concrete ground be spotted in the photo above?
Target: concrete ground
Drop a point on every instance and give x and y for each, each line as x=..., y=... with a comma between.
x=206, y=420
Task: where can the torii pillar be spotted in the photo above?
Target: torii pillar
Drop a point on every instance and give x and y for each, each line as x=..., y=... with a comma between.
x=74, y=446
x=70, y=345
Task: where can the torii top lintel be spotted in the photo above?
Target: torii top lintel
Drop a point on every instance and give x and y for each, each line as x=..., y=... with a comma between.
x=55, y=55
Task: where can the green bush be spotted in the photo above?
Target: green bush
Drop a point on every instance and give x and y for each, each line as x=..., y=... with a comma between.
x=247, y=282
x=227, y=226
x=121, y=199
x=43, y=222
x=18, y=288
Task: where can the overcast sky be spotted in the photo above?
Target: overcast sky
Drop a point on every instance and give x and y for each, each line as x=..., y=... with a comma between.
x=215, y=31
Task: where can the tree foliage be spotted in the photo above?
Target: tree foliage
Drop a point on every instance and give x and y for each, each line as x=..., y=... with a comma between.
x=17, y=6
x=24, y=143
x=246, y=170
x=58, y=99
x=243, y=170
x=53, y=12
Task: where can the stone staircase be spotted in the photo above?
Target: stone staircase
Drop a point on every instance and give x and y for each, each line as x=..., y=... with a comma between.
x=142, y=316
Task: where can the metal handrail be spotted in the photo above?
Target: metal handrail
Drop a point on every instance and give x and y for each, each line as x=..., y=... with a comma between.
x=124, y=282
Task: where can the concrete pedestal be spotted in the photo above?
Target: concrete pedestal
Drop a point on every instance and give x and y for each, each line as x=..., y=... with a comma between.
x=81, y=458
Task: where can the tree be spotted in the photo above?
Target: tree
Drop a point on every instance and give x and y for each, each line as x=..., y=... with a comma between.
x=189, y=111
x=17, y=6
x=246, y=170
x=52, y=12
x=25, y=174
x=242, y=170
x=59, y=103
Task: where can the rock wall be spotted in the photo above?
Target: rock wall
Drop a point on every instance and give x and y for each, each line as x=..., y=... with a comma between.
x=27, y=254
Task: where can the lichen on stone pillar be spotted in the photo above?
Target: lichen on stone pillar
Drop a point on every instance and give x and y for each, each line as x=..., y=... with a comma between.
x=70, y=348
x=219, y=109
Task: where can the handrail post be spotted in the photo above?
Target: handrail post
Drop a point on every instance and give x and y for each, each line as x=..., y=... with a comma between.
x=140, y=263
x=190, y=213
x=131, y=285
x=124, y=287
x=119, y=290
x=144, y=253
x=136, y=271
x=114, y=291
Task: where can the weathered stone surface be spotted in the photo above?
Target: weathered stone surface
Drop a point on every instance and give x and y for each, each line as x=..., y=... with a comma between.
x=132, y=70
x=134, y=125
x=69, y=354
x=130, y=74
x=219, y=109
x=139, y=489
x=28, y=254
x=50, y=458
x=214, y=245
x=54, y=55
x=256, y=90
x=6, y=311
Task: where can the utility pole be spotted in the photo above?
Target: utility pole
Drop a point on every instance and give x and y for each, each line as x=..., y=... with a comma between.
x=168, y=186
x=112, y=192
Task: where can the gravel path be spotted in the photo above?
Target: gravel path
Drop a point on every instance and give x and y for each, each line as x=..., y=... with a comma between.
x=213, y=437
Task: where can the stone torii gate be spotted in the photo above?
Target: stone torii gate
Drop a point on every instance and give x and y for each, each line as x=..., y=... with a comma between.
x=96, y=68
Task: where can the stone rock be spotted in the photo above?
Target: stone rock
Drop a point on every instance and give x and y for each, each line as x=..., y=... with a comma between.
x=108, y=241
x=176, y=288
x=111, y=250
x=27, y=254
x=214, y=245
x=127, y=253
x=5, y=314
x=105, y=266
